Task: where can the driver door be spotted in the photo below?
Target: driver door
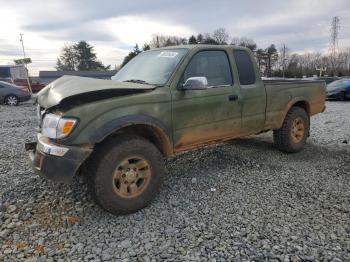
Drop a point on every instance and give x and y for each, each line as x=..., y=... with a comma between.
x=213, y=113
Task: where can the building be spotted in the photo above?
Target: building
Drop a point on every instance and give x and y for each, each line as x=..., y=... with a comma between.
x=10, y=73
x=49, y=76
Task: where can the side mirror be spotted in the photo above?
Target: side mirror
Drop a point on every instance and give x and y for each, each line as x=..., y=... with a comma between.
x=196, y=83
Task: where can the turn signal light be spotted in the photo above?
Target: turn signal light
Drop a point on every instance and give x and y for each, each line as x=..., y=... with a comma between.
x=67, y=127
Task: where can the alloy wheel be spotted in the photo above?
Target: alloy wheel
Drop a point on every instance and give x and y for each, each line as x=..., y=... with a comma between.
x=298, y=130
x=12, y=101
x=131, y=177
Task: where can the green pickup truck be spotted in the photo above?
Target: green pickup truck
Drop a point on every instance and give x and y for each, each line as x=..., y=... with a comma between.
x=163, y=102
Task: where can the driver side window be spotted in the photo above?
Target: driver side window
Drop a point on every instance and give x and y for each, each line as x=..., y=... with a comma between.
x=213, y=65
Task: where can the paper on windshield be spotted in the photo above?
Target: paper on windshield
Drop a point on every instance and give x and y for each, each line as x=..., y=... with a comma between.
x=168, y=54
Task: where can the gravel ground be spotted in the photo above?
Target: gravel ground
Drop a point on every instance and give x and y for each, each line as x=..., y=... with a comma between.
x=242, y=200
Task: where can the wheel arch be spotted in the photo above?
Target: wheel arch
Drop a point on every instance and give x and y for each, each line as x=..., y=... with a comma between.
x=140, y=125
x=296, y=102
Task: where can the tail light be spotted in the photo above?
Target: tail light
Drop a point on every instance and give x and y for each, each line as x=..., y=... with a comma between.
x=23, y=90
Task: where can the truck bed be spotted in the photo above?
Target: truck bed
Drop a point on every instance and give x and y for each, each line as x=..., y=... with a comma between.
x=280, y=93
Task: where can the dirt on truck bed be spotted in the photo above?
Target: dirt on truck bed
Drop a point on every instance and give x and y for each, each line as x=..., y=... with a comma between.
x=241, y=199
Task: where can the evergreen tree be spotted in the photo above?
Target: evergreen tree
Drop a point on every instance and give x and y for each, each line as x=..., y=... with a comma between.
x=79, y=56
x=86, y=57
x=200, y=39
x=132, y=54
x=260, y=58
x=146, y=47
x=271, y=58
x=192, y=40
x=67, y=60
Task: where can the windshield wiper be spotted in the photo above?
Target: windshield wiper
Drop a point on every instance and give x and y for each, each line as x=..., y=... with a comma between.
x=139, y=81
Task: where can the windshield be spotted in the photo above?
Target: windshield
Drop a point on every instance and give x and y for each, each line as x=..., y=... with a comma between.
x=152, y=67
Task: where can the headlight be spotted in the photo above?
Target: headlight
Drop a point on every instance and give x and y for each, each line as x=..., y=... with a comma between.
x=55, y=126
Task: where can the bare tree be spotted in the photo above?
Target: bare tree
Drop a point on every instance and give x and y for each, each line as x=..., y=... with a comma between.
x=283, y=58
x=235, y=41
x=245, y=42
x=220, y=36
x=165, y=40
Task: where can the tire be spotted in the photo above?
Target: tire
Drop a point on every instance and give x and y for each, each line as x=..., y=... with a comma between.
x=11, y=100
x=118, y=190
x=291, y=137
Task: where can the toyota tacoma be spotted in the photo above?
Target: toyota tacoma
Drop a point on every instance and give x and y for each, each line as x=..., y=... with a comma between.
x=163, y=102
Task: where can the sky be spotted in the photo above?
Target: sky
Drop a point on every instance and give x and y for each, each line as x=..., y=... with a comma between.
x=113, y=27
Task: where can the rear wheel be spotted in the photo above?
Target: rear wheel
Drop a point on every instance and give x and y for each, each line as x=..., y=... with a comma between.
x=12, y=100
x=291, y=137
x=125, y=174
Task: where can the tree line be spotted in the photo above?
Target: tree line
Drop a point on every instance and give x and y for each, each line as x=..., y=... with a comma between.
x=272, y=62
x=266, y=58
x=311, y=63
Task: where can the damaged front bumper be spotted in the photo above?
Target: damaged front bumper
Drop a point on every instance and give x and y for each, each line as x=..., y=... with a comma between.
x=56, y=162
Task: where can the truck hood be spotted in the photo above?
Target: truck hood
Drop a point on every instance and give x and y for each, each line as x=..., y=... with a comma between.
x=73, y=89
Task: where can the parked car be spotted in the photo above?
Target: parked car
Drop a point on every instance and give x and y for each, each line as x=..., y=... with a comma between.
x=339, y=89
x=12, y=95
x=6, y=79
x=163, y=102
x=36, y=86
x=327, y=79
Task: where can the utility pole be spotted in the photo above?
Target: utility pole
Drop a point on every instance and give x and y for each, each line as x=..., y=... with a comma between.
x=333, y=45
x=24, y=64
x=283, y=60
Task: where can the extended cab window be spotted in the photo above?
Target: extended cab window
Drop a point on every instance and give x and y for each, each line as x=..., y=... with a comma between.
x=213, y=65
x=245, y=67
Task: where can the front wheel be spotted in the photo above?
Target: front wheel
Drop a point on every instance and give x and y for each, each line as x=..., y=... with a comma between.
x=12, y=100
x=125, y=174
x=291, y=137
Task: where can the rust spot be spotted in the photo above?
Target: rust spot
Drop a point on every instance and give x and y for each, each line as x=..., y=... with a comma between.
x=193, y=140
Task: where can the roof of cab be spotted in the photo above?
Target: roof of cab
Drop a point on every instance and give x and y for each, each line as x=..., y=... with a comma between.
x=203, y=46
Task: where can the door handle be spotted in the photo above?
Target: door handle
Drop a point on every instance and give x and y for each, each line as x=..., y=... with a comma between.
x=232, y=97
